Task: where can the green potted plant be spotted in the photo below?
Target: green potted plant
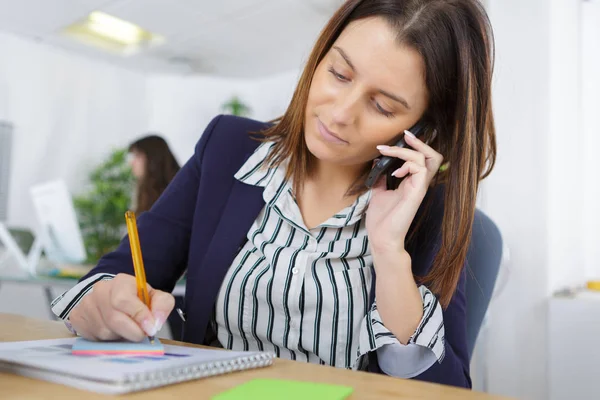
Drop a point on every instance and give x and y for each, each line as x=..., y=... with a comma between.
x=101, y=210
x=236, y=107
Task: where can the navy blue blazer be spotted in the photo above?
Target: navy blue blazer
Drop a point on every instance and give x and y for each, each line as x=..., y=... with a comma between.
x=201, y=220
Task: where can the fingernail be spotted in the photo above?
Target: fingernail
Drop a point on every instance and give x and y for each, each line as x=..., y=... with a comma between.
x=409, y=133
x=159, y=320
x=395, y=173
x=149, y=326
x=157, y=327
x=160, y=317
x=382, y=147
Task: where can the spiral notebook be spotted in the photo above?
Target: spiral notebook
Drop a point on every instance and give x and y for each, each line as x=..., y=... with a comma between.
x=52, y=360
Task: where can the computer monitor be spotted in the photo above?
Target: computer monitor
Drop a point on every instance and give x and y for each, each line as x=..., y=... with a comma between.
x=59, y=233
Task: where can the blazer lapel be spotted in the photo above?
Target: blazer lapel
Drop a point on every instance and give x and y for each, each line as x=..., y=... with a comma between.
x=243, y=206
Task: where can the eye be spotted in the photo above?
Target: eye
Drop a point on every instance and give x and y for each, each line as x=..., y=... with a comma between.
x=383, y=111
x=338, y=76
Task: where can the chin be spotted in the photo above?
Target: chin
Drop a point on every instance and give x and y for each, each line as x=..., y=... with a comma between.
x=321, y=149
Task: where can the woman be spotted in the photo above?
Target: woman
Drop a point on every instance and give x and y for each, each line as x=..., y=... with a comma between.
x=285, y=249
x=153, y=166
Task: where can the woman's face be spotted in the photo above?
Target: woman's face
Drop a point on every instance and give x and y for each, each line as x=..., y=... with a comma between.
x=365, y=92
x=137, y=161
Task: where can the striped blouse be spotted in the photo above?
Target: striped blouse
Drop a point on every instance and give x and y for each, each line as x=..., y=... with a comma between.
x=304, y=294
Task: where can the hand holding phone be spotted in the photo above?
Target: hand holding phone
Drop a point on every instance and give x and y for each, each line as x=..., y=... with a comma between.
x=386, y=165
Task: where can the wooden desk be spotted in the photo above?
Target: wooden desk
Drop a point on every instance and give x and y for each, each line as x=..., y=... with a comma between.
x=366, y=385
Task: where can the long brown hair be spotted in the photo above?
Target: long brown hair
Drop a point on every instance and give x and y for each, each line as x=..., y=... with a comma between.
x=159, y=169
x=455, y=39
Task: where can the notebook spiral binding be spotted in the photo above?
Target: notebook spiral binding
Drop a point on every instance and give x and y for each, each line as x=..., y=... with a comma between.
x=180, y=374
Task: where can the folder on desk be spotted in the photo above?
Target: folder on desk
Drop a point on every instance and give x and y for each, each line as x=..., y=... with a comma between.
x=53, y=360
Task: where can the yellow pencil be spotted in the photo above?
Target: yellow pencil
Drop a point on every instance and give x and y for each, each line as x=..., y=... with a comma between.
x=138, y=262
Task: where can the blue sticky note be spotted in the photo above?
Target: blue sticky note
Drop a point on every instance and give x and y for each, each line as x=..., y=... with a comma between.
x=87, y=347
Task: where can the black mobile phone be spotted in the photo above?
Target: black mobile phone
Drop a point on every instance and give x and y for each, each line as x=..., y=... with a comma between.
x=387, y=165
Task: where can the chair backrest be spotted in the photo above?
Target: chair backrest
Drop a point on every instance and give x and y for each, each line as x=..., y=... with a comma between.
x=483, y=263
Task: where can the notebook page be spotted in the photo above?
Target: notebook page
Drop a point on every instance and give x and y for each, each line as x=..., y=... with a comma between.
x=55, y=355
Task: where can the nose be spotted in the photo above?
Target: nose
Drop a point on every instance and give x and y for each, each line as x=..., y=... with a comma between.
x=346, y=108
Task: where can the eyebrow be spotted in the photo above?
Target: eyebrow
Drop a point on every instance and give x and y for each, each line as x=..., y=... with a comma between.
x=394, y=97
x=399, y=99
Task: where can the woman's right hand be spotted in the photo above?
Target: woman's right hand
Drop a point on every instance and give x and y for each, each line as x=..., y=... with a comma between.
x=113, y=311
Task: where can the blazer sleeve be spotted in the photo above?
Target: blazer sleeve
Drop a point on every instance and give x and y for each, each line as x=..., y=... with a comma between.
x=165, y=229
x=453, y=369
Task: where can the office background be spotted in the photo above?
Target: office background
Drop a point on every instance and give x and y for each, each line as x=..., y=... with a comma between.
x=71, y=106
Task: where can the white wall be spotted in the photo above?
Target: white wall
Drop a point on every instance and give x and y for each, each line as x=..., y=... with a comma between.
x=566, y=185
x=516, y=196
x=590, y=77
x=68, y=112
x=183, y=107
x=536, y=194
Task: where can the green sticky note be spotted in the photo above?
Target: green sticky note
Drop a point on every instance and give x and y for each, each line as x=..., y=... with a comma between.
x=275, y=389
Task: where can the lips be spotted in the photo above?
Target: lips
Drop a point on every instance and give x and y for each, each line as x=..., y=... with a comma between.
x=327, y=135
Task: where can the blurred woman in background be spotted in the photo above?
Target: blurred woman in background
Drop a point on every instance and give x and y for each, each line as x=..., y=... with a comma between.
x=153, y=166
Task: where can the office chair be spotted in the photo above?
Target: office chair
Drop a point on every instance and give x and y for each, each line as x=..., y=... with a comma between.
x=483, y=263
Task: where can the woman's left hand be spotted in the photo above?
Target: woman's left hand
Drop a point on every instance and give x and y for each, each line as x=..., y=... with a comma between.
x=391, y=212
